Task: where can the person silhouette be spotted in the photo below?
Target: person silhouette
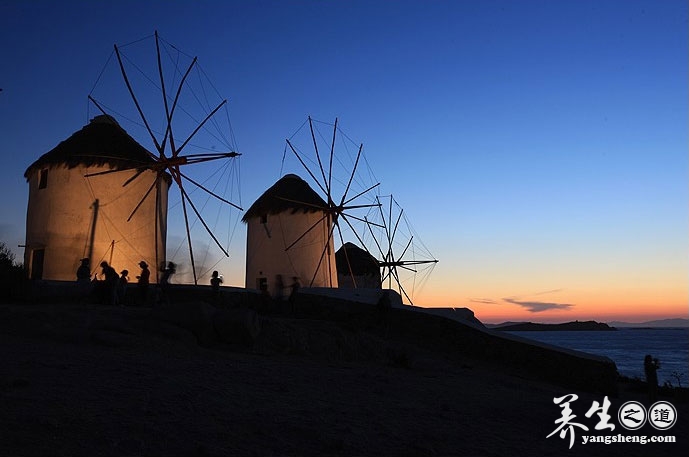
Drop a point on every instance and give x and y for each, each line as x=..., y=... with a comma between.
x=84, y=271
x=110, y=284
x=293, y=294
x=165, y=282
x=142, y=282
x=651, y=367
x=122, y=286
x=216, y=280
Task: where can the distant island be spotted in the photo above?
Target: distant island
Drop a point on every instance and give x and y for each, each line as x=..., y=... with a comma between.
x=662, y=323
x=567, y=326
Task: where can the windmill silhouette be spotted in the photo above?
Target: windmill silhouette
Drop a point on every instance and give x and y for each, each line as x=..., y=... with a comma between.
x=171, y=157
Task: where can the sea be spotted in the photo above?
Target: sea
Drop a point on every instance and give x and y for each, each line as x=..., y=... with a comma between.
x=627, y=347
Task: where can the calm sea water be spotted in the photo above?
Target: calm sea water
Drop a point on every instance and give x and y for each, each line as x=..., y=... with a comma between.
x=627, y=348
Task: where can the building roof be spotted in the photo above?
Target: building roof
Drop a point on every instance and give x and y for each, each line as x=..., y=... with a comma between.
x=360, y=260
x=289, y=193
x=101, y=142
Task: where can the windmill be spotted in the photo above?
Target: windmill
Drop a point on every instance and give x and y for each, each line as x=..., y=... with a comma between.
x=402, y=256
x=346, y=192
x=192, y=108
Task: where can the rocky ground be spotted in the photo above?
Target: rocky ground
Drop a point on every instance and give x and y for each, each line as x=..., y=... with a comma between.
x=95, y=380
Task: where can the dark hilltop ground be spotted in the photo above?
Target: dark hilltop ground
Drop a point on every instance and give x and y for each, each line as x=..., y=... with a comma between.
x=234, y=377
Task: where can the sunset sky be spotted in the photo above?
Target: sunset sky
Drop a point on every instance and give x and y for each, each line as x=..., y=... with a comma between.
x=538, y=147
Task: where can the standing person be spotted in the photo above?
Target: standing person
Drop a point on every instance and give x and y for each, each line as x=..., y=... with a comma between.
x=165, y=282
x=84, y=271
x=216, y=280
x=279, y=288
x=84, y=279
x=293, y=294
x=142, y=282
x=122, y=286
x=110, y=283
x=651, y=366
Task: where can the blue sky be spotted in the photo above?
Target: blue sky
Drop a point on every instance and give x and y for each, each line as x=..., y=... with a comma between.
x=535, y=145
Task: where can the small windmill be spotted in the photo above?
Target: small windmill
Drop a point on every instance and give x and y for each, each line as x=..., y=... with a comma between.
x=402, y=256
x=171, y=158
x=342, y=202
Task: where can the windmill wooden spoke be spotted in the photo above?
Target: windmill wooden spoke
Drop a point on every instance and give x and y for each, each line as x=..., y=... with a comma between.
x=399, y=283
x=407, y=247
x=312, y=205
x=373, y=236
x=153, y=184
x=136, y=175
x=318, y=156
x=167, y=110
x=136, y=102
x=200, y=186
x=360, y=194
x=363, y=220
x=346, y=255
x=179, y=87
x=405, y=267
x=210, y=232
x=332, y=152
x=305, y=167
x=200, y=158
x=371, y=205
x=186, y=224
x=351, y=177
x=326, y=248
x=175, y=153
x=306, y=232
x=107, y=172
x=356, y=234
x=394, y=230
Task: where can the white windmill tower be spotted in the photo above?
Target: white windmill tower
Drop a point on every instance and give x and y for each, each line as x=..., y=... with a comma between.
x=288, y=237
x=70, y=217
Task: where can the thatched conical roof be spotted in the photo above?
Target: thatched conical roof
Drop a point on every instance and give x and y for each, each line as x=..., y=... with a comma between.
x=289, y=193
x=101, y=142
x=361, y=262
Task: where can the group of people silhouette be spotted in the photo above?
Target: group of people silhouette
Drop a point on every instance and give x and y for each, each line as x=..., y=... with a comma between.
x=111, y=287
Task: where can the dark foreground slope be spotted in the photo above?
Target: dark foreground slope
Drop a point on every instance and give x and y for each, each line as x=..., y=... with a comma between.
x=91, y=380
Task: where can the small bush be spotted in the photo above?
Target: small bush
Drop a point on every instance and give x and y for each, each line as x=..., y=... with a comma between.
x=11, y=274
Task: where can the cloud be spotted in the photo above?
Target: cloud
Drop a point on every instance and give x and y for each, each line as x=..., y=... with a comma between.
x=538, y=306
x=485, y=301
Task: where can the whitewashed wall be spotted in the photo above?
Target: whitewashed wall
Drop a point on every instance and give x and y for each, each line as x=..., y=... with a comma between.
x=60, y=217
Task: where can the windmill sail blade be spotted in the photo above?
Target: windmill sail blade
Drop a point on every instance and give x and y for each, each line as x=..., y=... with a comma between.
x=360, y=194
x=312, y=205
x=332, y=153
x=306, y=232
x=351, y=227
x=107, y=172
x=373, y=237
x=346, y=255
x=186, y=224
x=174, y=105
x=210, y=232
x=318, y=157
x=305, y=167
x=136, y=175
x=175, y=153
x=136, y=102
x=326, y=248
x=142, y=199
x=351, y=177
x=200, y=186
x=401, y=288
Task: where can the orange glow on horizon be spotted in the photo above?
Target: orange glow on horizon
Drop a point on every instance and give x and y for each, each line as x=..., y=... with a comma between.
x=601, y=307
